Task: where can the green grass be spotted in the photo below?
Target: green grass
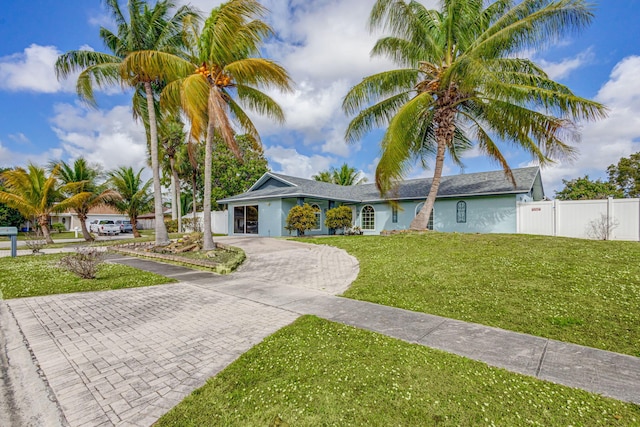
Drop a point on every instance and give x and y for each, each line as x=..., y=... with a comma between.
x=28, y=276
x=318, y=373
x=581, y=291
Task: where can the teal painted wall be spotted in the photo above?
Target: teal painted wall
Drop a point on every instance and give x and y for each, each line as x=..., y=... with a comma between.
x=491, y=214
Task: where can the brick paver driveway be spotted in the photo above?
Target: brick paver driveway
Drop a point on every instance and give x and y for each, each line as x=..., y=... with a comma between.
x=126, y=357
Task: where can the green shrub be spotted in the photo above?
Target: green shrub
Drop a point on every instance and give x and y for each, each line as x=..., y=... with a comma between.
x=339, y=217
x=301, y=219
x=59, y=227
x=172, y=225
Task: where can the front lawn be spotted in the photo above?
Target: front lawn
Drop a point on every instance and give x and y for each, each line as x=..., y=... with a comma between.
x=34, y=275
x=581, y=291
x=319, y=373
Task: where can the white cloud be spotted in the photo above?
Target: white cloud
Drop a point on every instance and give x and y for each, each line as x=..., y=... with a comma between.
x=291, y=162
x=33, y=70
x=604, y=142
x=110, y=138
x=562, y=69
x=20, y=138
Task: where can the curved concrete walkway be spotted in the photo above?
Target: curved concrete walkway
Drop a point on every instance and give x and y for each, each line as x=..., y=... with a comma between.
x=125, y=357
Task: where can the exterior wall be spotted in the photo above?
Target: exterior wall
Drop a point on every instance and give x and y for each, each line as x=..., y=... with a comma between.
x=496, y=214
x=269, y=214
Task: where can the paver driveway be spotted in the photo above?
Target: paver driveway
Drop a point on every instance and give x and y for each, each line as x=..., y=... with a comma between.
x=126, y=357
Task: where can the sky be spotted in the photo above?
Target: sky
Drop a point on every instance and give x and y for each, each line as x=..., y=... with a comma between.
x=325, y=45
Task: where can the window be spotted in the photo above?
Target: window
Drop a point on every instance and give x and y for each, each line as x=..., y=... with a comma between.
x=245, y=219
x=461, y=212
x=430, y=223
x=394, y=214
x=318, y=225
x=368, y=218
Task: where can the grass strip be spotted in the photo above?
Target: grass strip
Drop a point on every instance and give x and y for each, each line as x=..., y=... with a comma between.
x=581, y=291
x=29, y=276
x=318, y=373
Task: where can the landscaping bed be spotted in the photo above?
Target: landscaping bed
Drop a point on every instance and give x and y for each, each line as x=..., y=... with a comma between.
x=223, y=260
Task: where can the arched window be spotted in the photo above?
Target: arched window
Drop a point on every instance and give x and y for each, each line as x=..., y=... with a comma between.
x=430, y=223
x=461, y=212
x=316, y=208
x=368, y=218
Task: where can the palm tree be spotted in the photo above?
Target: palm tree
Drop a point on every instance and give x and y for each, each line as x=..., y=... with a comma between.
x=346, y=175
x=462, y=80
x=82, y=178
x=148, y=29
x=172, y=137
x=36, y=195
x=224, y=64
x=134, y=194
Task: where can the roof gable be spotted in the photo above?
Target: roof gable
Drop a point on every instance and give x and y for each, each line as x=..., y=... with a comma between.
x=269, y=180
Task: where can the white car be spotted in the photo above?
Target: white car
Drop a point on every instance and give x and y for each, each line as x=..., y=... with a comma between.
x=104, y=226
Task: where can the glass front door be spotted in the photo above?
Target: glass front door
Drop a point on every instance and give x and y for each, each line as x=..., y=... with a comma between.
x=245, y=220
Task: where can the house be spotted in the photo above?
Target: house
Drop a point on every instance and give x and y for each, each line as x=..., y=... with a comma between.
x=471, y=203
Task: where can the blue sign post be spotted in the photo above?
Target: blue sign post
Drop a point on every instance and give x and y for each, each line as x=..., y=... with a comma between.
x=12, y=232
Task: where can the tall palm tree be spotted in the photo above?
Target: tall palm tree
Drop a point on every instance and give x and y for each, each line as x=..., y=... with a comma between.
x=36, y=195
x=462, y=81
x=80, y=177
x=172, y=137
x=224, y=65
x=345, y=175
x=134, y=194
x=157, y=29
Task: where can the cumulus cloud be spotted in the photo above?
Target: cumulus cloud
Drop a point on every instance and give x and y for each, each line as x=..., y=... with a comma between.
x=562, y=69
x=291, y=162
x=110, y=138
x=604, y=142
x=33, y=70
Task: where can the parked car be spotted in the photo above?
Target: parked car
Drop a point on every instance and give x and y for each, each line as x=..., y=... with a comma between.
x=125, y=225
x=104, y=226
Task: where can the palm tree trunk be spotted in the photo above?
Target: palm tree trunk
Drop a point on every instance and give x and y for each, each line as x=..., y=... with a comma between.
x=162, y=238
x=207, y=239
x=82, y=217
x=43, y=221
x=176, y=192
x=445, y=128
x=134, y=225
x=194, y=205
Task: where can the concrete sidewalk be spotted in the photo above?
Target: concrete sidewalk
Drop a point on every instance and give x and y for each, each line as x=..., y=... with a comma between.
x=126, y=357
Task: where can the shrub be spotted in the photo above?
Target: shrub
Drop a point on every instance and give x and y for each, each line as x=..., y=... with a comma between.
x=301, y=219
x=59, y=227
x=339, y=217
x=84, y=263
x=172, y=225
x=35, y=242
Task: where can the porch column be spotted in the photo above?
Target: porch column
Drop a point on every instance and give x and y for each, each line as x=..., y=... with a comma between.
x=300, y=201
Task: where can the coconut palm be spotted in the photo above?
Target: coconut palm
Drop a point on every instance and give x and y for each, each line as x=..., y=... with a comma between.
x=224, y=65
x=80, y=177
x=156, y=29
x=37, y=195
x=135, y=197
x=172, y=138
x=462, y=82
x=345, y=175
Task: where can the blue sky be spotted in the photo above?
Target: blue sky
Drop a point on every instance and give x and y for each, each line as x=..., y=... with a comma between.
x=325, y=46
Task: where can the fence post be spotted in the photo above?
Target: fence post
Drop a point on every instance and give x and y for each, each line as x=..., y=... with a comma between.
x=556, y=214
x=609, y=215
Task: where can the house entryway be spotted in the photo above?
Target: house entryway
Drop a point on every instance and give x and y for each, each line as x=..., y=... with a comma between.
x=245, y=219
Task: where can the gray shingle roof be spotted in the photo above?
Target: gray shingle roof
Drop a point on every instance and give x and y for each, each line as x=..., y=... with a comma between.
x=472, y=184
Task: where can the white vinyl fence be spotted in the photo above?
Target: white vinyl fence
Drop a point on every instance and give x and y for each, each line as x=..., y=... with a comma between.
x=611, y=219
x=219, y=222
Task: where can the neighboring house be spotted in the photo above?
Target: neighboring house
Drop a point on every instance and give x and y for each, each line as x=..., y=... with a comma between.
x=71, y=221
x=472, y=203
